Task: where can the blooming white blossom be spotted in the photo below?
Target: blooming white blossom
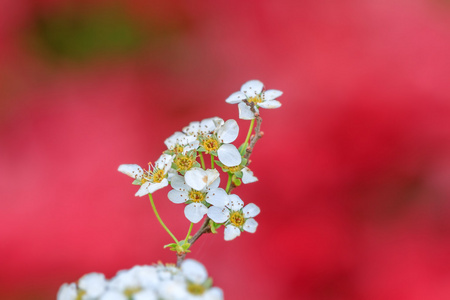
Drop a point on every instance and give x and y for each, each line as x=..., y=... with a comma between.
x=197, y=200
x=157, y=282
x=235, y=217
x=253, y=92
x=150, y=180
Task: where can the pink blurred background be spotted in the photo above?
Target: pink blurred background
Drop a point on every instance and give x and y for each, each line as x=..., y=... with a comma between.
x=354, y=168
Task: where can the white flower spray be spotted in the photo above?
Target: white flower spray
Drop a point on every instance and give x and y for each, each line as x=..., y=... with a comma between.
x=183, y=167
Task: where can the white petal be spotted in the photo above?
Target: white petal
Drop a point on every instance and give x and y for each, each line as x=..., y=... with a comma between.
x=177, y=183
x=229, y=155
x=271, y=95
x=194, y=271
x=159, y=185
x=194, y=212
x=236, y=97
x=93, y=284
x=270, y=104
x=245, y=113
x=177, y=196
x=145, y=295
x=131, y=170
x=252, y=88
x=143, y=190
x=214, y=293
x=198, y=179
x=113, y=295
x=212, y=175
x=251, y=210
x=208, y=125
x=235, y=202
x=250, y=225
x=247, y=176
x=174, y=139
x=218, y=215
x=67, y=292
x=192, y=128
x=215, y=184
x=164, y=162
x=217, y=197
x=228, y=132
x=231, y=232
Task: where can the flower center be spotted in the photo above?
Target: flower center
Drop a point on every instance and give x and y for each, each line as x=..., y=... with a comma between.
x=195, y=288
x=184, y=162
x=196, y=196
x=178, y=149
x=256, y=99
x=237, y=219
x=210, y=144
x=131, y=291
x=80, y=294
x=158, y=176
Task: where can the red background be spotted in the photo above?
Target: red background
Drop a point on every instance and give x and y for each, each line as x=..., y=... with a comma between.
x=354, y=168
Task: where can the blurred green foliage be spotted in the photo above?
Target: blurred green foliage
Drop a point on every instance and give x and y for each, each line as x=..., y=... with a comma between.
x=80, y=35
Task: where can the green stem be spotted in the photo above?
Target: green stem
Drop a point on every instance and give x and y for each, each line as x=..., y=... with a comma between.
x=212, y=161
x=250, y=130
x=202, y=161
x=159, y=219
x=228, y=183
x=189, y=232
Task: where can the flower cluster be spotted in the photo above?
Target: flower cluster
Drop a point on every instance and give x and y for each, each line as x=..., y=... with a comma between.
x=189, y=282
x=193, y=184
x=196, y=184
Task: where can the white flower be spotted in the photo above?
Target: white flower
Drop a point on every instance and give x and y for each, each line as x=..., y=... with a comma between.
x=197, y=200
x=218, y=143
x=162, y=282
x=181, y=143
x=93, y=284
x=197, y=282
x=252, y=91
x=150, y=180
x=235, y=217
x=67, y=292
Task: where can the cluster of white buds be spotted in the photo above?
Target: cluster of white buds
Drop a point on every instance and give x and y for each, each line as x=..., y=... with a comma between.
x=196, y=185
x=157, y=282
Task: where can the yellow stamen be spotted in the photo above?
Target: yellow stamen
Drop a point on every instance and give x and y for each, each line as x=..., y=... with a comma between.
x=256, y=99
x=130, y=291
x=210, y=144
x=196, y=196
x=195, y=288
x=158, y=176
x=237, y=219
x=184, y=162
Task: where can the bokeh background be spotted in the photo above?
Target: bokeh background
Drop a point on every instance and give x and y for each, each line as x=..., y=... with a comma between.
x=354, y=168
